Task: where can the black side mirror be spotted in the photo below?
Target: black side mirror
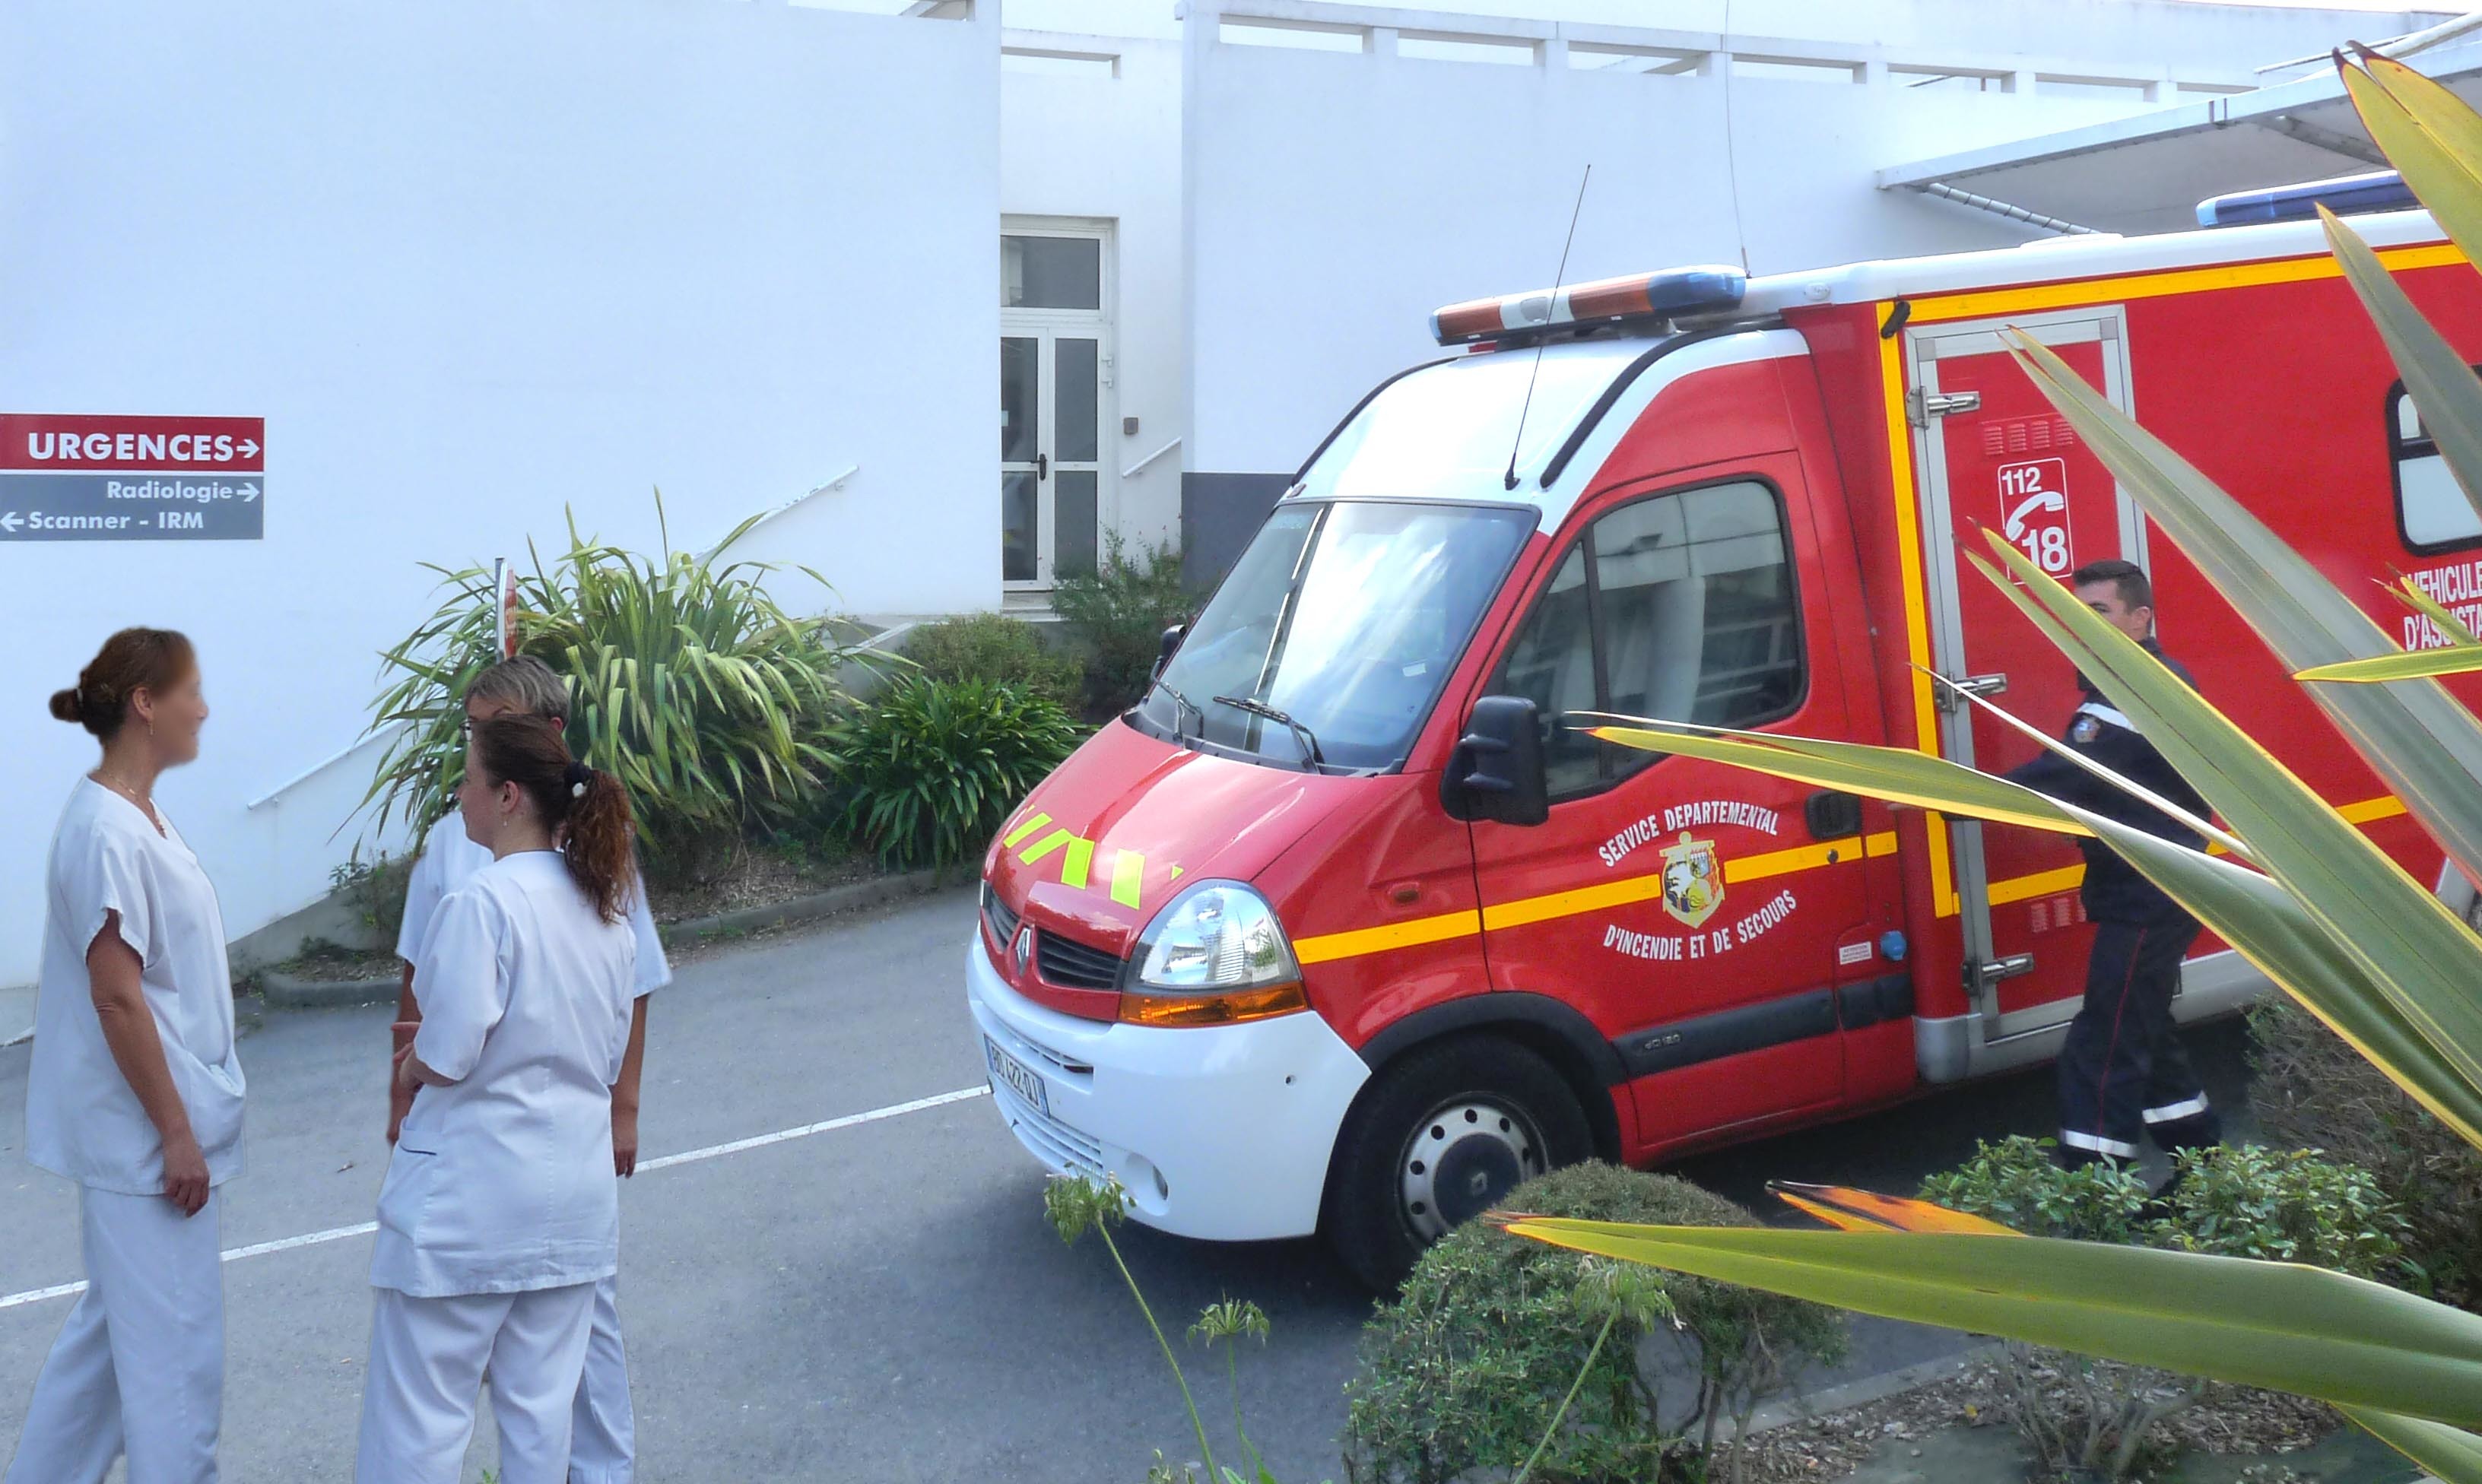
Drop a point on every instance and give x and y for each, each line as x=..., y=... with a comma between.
x=1166, y=649
x=1496, y=772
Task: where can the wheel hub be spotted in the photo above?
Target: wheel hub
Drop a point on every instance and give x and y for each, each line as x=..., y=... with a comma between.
x=1461, y=1161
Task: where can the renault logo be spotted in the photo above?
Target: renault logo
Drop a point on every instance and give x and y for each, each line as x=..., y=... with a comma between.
x=1024, y=948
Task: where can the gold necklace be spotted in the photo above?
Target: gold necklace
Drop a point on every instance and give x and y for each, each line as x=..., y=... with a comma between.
x=121, y=786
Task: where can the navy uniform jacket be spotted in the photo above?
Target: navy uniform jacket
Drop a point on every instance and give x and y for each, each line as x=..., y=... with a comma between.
x=2114, y=892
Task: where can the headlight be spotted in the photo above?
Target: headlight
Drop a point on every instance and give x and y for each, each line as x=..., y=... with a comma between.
x=1215, y=955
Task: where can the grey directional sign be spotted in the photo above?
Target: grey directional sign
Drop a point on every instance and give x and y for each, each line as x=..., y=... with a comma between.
x=132, y=508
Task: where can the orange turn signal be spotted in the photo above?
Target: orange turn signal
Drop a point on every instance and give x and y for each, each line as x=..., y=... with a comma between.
x=1227, y=1007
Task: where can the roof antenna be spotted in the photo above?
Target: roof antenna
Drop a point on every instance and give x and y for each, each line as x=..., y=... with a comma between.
x=1541, y=344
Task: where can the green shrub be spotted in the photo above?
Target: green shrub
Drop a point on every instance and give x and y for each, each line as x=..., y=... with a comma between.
x=687, y=680
x=2315, y=1091
x=2018, y=1184
x=1464, y=1373
x=1120, y=614
x=2242, y=1202
x=2285, y=1206
x=2234, y=1201
x=374, y=891
x=995, y=647
x=926, y=772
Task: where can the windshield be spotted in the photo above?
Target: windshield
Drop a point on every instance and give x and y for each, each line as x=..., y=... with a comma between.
x=1451, y=429
x=1345, y=616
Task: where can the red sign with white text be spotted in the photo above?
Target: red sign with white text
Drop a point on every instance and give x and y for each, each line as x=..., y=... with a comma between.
x=68, y=442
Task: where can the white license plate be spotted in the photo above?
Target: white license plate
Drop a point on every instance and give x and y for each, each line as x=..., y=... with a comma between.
x=1015, y=1076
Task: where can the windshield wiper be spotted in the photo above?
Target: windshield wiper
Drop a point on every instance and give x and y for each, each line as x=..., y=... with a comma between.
x=1301, y=734
x=1179, y=704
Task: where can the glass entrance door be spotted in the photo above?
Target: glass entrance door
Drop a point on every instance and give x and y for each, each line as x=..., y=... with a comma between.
x=1054, y=381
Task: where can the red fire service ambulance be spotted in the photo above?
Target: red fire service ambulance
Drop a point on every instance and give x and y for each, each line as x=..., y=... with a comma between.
x=1344, y=929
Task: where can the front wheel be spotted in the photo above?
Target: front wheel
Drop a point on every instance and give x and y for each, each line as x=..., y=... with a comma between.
x=1440, y=1136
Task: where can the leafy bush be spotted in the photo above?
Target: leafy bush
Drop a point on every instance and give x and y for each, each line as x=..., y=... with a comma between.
x=1467, y=1369
x=2018, y=1184
x=687, y=680
x=2285, y=1206
x=1120, y=613
x=374, y=891
x=995, y=647
x=2312, y=1089
x=2242, y=1202
x=926, y=772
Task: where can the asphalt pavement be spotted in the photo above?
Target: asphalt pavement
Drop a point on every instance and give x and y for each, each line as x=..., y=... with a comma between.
x=841, y=1277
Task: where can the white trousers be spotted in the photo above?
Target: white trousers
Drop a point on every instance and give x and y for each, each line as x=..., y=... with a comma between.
x=603, y=1440
x=427, y=1359
x=140, y=1366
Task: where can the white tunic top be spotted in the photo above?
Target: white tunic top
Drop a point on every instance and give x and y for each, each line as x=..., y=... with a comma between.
x=82, y=1120
x=450, y=859
x=503, y=1181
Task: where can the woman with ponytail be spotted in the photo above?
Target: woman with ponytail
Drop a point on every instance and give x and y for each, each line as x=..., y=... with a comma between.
x=135, y=1092
x=602, y=1443
x=499, y=1214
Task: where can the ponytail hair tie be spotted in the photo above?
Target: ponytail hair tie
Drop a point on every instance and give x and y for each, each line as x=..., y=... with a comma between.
x=577, y=775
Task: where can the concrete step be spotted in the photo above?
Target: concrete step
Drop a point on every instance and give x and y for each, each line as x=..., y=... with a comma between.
x=17, y=1014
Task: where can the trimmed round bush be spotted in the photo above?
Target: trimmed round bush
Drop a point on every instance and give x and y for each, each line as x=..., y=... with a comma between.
x=1461, y=1374
x=997, y=648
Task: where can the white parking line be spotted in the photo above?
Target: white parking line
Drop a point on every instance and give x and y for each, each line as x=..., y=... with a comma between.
x=645, y=1166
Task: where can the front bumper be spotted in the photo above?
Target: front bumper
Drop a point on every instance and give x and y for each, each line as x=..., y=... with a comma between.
x=1222, y=1133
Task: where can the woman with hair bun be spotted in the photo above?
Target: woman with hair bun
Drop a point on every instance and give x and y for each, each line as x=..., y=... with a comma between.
x=499, y=1214
x=135, y=1092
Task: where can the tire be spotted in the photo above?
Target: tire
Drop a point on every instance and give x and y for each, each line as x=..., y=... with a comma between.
x=1441, y=1135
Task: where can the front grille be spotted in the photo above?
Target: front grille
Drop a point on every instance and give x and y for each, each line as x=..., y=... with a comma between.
x=1072, y=965
x=1003, y=922
x=1035, y=1051
x=1055, y=1143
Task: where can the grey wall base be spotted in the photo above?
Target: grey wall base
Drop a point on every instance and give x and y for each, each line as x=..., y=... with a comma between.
x=329, y=918
x=1219, y=514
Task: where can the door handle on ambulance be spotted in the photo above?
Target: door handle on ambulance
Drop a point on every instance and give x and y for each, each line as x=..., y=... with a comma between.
x=1980, y=974
x=1984, y=685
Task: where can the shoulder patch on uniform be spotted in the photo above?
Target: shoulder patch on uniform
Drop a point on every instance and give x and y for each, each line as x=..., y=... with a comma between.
x=2085, y=730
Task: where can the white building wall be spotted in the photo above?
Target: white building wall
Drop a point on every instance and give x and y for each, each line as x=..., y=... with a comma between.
x=475, y=262
x=1102, y=142
x=1335, y=198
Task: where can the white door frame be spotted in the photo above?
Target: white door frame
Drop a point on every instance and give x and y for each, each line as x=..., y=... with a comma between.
x=1047, y=326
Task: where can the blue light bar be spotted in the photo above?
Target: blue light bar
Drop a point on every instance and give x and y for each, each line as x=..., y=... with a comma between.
x=2347, y=196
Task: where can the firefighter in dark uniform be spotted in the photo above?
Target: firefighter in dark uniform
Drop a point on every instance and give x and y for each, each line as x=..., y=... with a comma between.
x=2124, y=1073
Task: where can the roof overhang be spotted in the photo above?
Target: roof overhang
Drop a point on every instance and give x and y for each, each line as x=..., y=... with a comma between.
x=2147, y=172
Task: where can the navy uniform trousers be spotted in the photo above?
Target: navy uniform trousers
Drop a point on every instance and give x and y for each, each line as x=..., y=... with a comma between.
x=2123, y=1074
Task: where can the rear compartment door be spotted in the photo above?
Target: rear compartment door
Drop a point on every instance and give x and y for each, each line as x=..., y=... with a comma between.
x=1994, y=455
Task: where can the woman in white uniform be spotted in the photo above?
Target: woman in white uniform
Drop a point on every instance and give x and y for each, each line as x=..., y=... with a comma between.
x=602, y=1444
x=497, y=1220
x=135, y=1092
